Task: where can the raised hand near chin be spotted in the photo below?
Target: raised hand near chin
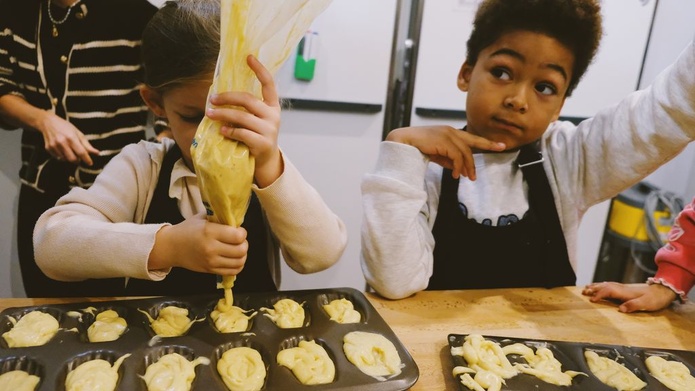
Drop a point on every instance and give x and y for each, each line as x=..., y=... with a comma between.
x=447, y=146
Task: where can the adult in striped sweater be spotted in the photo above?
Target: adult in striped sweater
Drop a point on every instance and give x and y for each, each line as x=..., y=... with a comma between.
x=70, y=72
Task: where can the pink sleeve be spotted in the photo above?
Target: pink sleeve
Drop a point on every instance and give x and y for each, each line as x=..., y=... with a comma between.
x=676, y=260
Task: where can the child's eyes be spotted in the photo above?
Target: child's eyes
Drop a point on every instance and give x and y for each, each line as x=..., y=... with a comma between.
x=546, y=89
x=501, y=73
x=196, y=119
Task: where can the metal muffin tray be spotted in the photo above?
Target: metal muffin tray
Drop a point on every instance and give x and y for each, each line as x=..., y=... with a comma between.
x=571, y=355
x=67, y=349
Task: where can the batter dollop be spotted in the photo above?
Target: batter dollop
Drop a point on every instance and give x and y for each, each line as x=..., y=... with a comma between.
x=612, y=373
x=372, y=354
x=309, y=362
x=108, y=326
x=673, y=374
x=242, y=369
x=172, y=372
x=488, y=361
x=286, y=313
x=541, y=364
x=33, y=329
x=342, y=311
x=172, y=321
x=18, y=381
x=227, y=317
x=94, y=375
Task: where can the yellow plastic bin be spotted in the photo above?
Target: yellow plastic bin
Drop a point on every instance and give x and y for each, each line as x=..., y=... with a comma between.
x=627, y=250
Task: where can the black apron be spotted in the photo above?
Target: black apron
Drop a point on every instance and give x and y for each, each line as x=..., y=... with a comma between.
x=529, y=253
x=255, y=277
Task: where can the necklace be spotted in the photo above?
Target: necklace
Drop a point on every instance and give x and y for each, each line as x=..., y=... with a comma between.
x=56, y=23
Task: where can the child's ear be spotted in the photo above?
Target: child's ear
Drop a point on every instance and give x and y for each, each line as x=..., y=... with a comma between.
x=556, y=116
x=464, y=77
x=153, y=100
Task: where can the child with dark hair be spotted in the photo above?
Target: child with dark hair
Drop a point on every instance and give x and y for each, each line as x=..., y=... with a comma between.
x=674, y=278
x=144, y=218
x=498, y=204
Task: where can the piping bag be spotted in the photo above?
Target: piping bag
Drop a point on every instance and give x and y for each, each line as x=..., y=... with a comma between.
x=269, y=30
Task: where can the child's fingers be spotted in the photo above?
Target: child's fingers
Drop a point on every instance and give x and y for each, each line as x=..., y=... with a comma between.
x=481, y=143
x=240, y=99
x=242, y=119
x=642, y=303
x=463, y=157
x=227, y=271
x=268, y=90
x=232, y=236
x=252, y=139
x=604, y=292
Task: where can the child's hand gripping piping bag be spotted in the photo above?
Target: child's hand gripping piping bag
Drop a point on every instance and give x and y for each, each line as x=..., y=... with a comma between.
x=268, y=30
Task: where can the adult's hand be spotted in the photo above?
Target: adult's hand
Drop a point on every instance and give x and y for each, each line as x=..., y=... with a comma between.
x=64, y=141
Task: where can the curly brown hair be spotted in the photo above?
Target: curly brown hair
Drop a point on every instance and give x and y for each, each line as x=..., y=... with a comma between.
x=575, y=23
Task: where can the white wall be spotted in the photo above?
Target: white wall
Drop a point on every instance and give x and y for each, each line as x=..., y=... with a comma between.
x=10, y=277
x=673, y=30
x=334, y=150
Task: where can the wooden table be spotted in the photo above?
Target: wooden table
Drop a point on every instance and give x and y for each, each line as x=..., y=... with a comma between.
x=424, y=321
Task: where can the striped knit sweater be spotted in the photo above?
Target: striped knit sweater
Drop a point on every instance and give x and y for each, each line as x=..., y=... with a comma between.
x=104, y=70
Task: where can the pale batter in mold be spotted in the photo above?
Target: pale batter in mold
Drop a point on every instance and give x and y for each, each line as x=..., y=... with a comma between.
x=488, y=361
x=242, y=369
x=229, y=318
x=18, y=381
x=309, y=362
x=673, y=374
x=612, y=373
x=541, y=364
x=286, y=313
x=342, y=311
x=172, y=372
x=33, y=329
x=372, y=354
x=94, y=375
x=172, y=321
x=108, y=326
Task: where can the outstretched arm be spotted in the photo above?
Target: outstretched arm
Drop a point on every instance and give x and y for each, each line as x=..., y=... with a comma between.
x=634, y=297
x=676, y=260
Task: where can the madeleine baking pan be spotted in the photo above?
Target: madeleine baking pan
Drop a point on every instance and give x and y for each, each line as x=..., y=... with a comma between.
x=571, y=355
x=70, y=346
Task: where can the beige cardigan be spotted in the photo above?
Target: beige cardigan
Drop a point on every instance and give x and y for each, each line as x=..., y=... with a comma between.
x=99, y=232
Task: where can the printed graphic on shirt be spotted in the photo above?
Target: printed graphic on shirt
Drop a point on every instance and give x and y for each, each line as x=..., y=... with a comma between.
x=502, y=221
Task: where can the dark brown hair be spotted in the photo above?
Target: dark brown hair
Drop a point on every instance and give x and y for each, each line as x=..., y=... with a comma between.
x=574, y=23
x=181, y=43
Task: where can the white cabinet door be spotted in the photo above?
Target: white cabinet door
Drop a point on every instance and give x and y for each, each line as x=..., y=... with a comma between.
x=334, y=149
x=447, y=24
x=616, y=70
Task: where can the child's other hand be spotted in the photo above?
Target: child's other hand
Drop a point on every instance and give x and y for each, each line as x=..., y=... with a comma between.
x=449, y=147
x=199, y=245
x=635, y=297
x=257, y=126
